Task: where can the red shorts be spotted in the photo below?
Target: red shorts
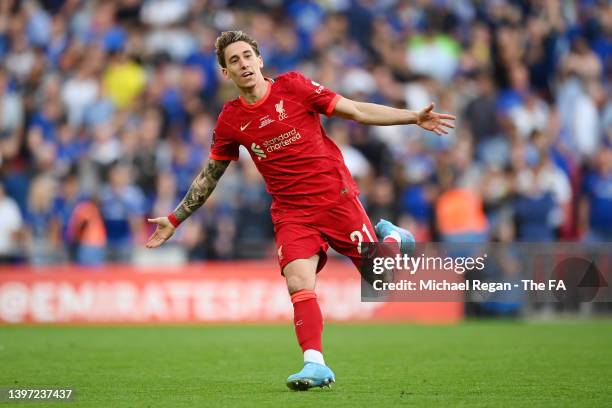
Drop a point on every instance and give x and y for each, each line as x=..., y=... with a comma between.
x=343, y=227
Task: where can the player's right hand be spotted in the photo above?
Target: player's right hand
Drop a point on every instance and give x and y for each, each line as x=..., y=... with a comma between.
x=162, y=233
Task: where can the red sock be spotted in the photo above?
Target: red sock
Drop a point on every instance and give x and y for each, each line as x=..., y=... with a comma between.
x=307, y=319
x=389, y=239
x=392, y=248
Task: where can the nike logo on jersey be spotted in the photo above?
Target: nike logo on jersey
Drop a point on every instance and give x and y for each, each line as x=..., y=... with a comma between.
x=242, y=127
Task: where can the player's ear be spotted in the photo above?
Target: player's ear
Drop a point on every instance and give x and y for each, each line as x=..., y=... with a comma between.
x=224, y=73
x=261, y=63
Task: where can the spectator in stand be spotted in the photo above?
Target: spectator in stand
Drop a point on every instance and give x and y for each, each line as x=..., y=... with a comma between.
x=459, y=210
x=381, y=200
x=205, y=59
x=86, y=234
x=149, y=152
x=42, y=223
x=11, y=111
x=596, y=203
x=166, y=198
x=460, y=216
x=417, y=185
x=11, y=232
x=482, y=118
x=535, y=210
x=66, y=199
x=254, y=236
x=357, y=164
x=123, y=80
x=123, y=208
x=80, y=92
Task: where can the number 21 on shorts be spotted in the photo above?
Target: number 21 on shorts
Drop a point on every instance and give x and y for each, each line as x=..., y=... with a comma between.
x=358, y=236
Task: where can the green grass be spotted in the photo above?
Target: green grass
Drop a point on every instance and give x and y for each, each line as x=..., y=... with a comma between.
x=473, y=364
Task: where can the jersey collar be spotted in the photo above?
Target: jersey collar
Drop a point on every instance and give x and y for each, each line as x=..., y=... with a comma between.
x=262, y=100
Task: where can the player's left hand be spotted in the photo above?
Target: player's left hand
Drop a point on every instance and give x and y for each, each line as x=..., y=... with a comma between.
x=434, y=121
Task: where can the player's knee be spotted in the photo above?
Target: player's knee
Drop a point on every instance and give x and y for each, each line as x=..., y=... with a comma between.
x=297, y=282
x=301, y=274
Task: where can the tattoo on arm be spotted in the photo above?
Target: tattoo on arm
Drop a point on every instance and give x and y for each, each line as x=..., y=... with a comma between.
x=201, y=188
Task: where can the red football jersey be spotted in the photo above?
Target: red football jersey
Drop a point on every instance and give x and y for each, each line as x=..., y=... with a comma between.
x=303, y=169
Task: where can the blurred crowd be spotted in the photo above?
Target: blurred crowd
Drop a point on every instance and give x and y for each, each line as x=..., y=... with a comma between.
x=107, y=107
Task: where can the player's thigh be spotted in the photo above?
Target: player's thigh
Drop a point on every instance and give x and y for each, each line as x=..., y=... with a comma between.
x=347, y=227
x=295, y=241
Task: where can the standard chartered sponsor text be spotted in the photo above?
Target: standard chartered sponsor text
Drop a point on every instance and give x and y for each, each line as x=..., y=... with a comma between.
x=282, y=140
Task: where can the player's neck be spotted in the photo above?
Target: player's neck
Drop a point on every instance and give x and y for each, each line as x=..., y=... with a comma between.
x=255, y=93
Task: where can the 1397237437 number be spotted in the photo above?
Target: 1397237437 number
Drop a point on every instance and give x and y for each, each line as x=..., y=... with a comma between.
x=37, y=393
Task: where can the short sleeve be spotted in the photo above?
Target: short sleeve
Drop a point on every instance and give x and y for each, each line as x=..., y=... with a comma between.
x=312, y=94
x=223, y=146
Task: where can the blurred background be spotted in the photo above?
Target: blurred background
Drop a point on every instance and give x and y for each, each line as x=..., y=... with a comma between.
x=107, y=107
x=106, y=113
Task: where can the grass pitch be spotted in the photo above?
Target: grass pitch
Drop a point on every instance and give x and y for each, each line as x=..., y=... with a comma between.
x=473, y=364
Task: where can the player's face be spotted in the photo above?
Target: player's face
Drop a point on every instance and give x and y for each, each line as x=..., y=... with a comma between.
x=243, y=66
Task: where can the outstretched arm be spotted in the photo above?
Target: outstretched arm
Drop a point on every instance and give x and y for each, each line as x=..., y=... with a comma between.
x=198, y=193
x=373, y=114
x=201, y=188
